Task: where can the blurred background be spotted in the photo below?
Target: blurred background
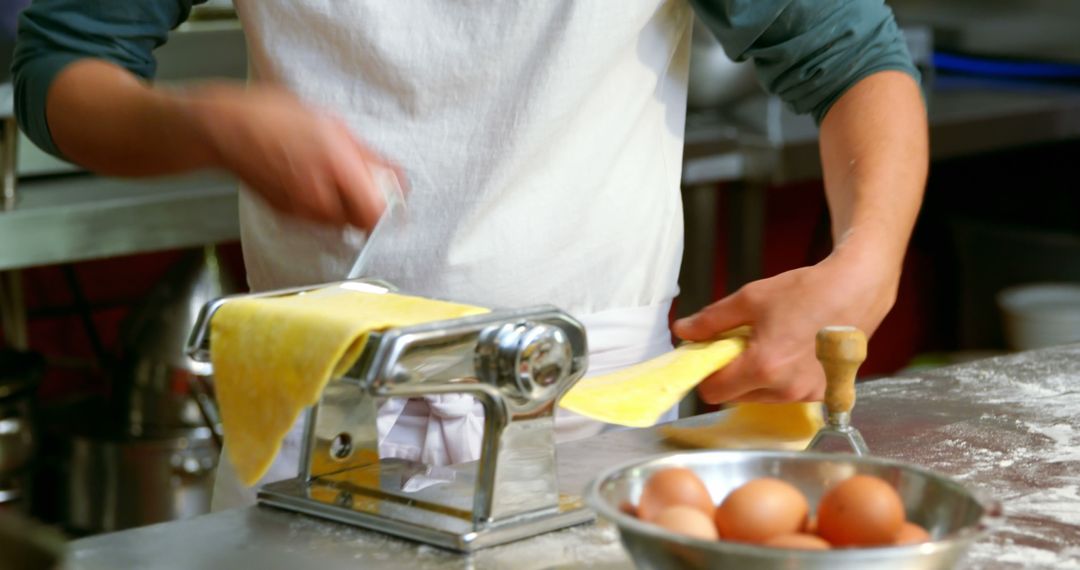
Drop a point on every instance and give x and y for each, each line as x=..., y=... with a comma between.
x=105, y=424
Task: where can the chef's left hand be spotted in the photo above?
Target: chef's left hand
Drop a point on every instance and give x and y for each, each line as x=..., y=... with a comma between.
x=785, y=313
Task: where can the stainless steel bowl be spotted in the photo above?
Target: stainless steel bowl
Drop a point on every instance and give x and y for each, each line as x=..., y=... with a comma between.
x=954, y=516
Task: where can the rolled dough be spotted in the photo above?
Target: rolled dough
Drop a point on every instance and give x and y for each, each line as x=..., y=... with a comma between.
x=273, y=356
x=754, y=426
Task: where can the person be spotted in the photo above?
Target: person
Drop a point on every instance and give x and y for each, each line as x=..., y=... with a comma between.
x=542, y=145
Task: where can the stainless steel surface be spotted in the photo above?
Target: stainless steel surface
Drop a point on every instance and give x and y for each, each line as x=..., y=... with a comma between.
x=112, y=484
x=1007, y=427
x=966, y=116
x=156, y=376
x=534, y=356
x=950, y=513
x=516, y=363
x=85, y=217
x=1033, y=29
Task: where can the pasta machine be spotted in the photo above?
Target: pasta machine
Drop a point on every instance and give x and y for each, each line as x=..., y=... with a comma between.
x=516, y=363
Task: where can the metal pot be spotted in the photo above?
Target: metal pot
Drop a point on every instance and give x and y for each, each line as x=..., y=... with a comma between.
x=954, y=515
x=19, y=374
x=158, y=385
x=113, y=484
x=149, y=455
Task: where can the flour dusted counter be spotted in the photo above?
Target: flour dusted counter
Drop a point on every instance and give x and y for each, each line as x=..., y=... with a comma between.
x=1008, y=427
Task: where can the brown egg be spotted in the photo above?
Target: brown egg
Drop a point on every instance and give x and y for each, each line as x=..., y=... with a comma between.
x=911, y=533
x=760, y=510
x=811, y=525
x=860, y=511
x=798, y=541
x=670, y=487
x=683, y=519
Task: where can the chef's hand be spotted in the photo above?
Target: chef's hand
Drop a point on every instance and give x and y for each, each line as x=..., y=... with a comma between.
x=300, y=160
x=786, y=312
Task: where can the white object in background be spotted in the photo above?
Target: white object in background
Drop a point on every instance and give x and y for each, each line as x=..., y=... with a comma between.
x=715, y=80
x=1041, y=314
x=387, y=182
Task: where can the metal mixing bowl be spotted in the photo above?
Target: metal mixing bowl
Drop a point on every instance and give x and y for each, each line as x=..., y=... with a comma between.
x=954, y=516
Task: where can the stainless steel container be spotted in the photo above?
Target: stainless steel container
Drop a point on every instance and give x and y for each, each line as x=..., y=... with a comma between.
x=158, y=385
x=113, y=484
x=149, y=455
x=19, y=374
x=953, y=516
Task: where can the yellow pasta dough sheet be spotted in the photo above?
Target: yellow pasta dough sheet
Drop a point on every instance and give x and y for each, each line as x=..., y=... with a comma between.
x=273, y=356
x=754, y=426
x=639, y=395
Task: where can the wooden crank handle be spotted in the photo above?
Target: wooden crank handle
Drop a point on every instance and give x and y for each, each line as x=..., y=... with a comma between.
x=840, y=350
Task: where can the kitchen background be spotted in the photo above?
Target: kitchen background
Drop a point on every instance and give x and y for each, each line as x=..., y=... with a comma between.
x=104, y=424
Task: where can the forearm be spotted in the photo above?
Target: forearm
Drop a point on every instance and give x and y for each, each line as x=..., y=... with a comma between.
x=110, y=121
x=874, y=157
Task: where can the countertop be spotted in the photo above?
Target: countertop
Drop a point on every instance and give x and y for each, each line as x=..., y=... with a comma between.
x=1008, y=427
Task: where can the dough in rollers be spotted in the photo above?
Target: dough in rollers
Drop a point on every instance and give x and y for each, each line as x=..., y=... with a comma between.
x=273, y=356
x=639, y=395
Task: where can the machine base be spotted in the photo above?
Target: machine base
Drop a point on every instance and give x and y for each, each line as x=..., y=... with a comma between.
x=444, y=527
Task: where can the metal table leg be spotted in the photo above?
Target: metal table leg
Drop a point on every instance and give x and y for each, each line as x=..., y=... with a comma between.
x=12, y=307
x=9, y=132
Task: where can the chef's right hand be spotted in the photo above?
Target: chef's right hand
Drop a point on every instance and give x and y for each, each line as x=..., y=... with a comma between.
x=302, y=161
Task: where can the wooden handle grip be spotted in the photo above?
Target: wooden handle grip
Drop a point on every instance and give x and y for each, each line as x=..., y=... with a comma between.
x=840, y=350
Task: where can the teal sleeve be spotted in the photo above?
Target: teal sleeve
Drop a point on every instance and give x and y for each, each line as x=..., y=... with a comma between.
x=809, y=52
x=55, y=33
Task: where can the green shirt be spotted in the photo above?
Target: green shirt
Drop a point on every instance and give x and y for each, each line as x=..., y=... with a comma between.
x=808, y=52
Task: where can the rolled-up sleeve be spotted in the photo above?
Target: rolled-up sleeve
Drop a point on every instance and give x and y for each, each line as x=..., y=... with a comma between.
x=55, y=33
x=809, y=52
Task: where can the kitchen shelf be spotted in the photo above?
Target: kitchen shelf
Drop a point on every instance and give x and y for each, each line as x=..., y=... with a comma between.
x=80, y=217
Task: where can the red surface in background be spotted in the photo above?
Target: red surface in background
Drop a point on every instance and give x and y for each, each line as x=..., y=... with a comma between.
x=111, y=287
x=796, y=235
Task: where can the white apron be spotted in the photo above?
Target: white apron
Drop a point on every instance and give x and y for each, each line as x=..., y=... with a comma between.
x=542, y=143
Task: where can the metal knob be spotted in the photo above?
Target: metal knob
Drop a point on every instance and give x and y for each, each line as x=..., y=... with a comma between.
x=524, y=359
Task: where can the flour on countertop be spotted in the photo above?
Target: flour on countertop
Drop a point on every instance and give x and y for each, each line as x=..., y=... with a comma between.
x=1019, y=556
x=580, y=546
x=1010, y=430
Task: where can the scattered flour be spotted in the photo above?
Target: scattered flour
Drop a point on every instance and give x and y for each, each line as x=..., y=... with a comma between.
x=1019, y=556
x=1058, y=503
x=1008, y=428
x=579, y=546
